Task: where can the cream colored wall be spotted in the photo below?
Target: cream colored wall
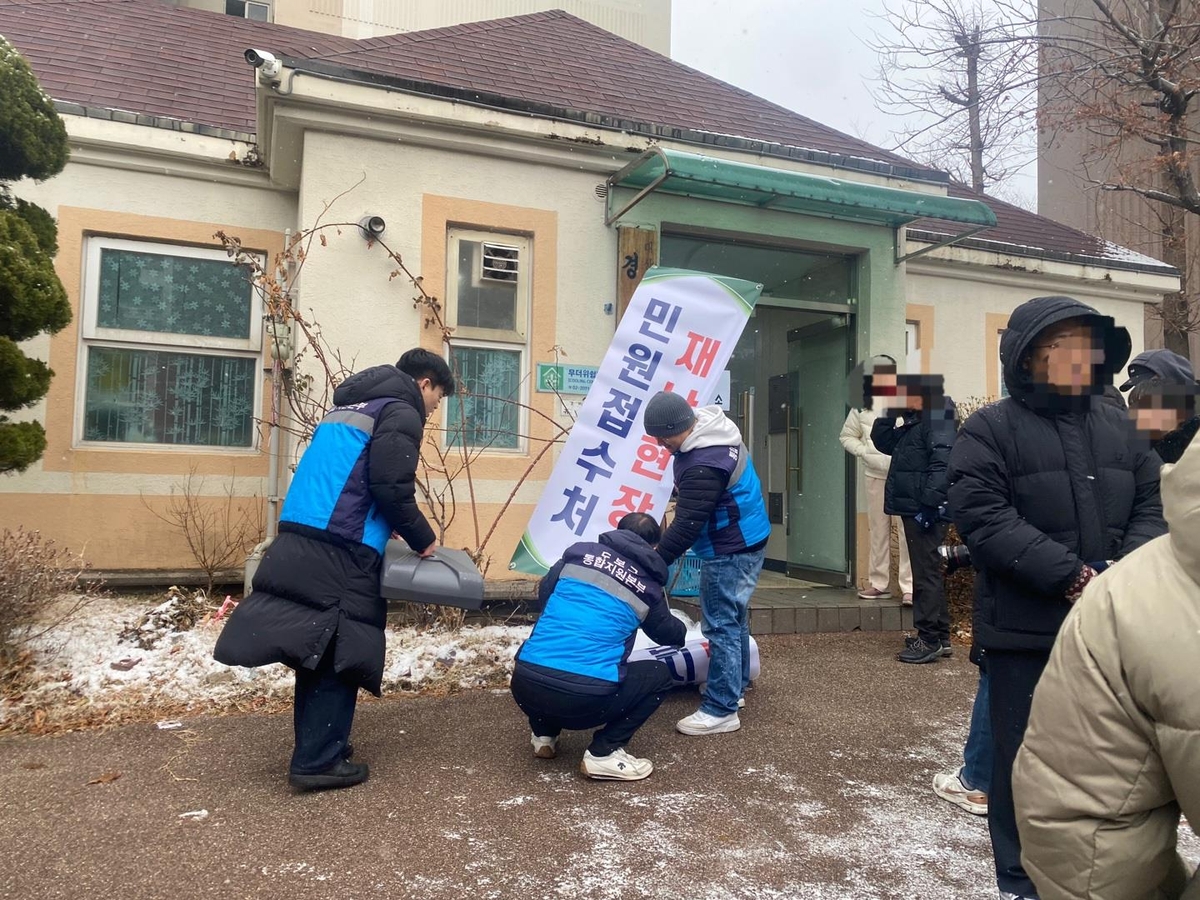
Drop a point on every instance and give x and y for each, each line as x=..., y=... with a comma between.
x=971, y=305
x=647, y=22
x=104, y=500
x=418, y=192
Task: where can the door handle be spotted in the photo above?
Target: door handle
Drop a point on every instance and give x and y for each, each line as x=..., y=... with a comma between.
x=798, y=468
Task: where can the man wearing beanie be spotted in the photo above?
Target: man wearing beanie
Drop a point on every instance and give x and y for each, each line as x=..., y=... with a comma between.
x=720, y=514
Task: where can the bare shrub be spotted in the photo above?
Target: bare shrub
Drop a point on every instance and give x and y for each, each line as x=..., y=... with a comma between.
x=41, y=587
x=219, y=531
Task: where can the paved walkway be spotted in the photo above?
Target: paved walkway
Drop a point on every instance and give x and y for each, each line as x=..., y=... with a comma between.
x=824, y=793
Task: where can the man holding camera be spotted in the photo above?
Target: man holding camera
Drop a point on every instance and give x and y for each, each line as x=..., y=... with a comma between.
x=1046, y=487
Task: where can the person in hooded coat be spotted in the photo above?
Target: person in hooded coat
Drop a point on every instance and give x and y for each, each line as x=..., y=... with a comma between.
x=721, y=515
x=574, y=671
x=1162, y=401
x=1112, y=751
x=1046, y=487
x=315, y=604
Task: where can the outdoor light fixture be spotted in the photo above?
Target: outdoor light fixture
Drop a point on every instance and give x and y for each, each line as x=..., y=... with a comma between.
x=371, y=227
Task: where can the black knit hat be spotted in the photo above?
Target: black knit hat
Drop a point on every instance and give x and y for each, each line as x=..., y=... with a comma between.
x=667, y=415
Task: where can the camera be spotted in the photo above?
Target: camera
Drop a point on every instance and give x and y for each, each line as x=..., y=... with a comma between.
x=266, y=63
x=957, y=556
x=371, y=227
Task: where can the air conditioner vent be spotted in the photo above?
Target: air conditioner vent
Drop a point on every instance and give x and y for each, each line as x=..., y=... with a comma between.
x=499, y=263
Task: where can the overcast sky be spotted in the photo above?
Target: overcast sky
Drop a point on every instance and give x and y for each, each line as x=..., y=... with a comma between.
x=807, y=55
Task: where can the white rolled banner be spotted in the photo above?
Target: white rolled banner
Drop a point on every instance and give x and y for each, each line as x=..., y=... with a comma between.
x=689, y=664
x=677, y=334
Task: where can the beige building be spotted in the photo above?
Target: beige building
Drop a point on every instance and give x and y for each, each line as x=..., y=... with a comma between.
x=646, y=22
x=529, y=198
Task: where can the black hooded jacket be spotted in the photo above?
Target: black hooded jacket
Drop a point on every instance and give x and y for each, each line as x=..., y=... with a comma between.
x=1041, y=484
x=312, y=586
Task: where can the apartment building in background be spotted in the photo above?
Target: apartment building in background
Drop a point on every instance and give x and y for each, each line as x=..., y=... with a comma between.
x=645, y=22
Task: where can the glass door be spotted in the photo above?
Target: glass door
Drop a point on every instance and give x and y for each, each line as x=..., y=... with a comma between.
x=816, y=478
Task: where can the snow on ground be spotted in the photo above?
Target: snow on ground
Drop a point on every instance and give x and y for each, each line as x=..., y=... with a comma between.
x=74, y=663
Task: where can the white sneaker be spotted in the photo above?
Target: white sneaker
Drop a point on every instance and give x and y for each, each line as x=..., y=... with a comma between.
x=741, y=702
x=617, y=766
x=703, y=723
x=544, y=747
x=949, y=786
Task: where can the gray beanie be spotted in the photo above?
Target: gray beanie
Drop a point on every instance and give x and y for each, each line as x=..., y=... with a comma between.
x=667, y=415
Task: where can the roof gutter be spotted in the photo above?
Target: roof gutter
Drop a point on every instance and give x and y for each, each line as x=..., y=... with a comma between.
x=500, y=103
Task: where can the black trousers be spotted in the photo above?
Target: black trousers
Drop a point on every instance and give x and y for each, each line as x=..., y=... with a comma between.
x=931, y=615
x=551, y=710
x=322, y=715
x=1012, y=676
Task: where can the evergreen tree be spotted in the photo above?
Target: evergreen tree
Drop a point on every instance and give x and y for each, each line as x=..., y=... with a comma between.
x=33, y=144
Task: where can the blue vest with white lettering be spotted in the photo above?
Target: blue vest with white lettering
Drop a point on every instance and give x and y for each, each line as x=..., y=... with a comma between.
x=331, y=488
x=739, y=520
x=591, y=619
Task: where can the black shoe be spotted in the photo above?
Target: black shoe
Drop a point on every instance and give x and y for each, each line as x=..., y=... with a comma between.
x=947, y=651
x=339, y=775
x=920, y=652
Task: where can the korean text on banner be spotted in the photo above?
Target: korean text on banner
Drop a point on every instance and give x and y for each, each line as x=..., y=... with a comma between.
x=677, y=334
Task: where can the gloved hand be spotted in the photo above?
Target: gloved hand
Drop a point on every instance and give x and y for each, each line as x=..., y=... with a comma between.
x=1101, y=565
x=1075, y=591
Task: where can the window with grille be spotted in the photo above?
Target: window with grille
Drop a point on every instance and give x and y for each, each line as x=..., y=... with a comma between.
x=172, y=340
x=488, y=307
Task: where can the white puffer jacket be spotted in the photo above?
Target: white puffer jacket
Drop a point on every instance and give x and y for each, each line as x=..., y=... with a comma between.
x=856, y=438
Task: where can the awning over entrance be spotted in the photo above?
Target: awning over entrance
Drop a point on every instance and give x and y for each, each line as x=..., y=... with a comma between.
x=709, y=178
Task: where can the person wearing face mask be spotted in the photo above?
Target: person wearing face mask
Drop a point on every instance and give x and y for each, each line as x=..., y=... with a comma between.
x=315, y=605
x=1046, y=487
x=855, y=438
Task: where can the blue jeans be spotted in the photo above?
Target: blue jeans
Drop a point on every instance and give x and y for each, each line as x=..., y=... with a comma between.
x=978, y=751
x=726, y=584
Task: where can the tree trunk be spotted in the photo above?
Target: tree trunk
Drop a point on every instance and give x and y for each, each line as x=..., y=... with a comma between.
x=972, y=54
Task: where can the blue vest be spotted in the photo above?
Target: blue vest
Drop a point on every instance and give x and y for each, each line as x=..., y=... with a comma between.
x=739, y=520
x=331, y=488
x=588, y=626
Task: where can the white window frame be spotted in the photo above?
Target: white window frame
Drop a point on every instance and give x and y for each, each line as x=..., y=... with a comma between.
x=92, y=335
x=470, y=337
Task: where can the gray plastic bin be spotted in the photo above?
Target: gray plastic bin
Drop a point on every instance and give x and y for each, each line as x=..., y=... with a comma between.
x=448, y=578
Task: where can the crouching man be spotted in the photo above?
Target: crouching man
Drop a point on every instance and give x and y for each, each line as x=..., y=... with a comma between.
x=573, y=671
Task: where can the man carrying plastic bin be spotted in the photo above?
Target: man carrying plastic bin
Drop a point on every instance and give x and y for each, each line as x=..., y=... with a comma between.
x=720, y=515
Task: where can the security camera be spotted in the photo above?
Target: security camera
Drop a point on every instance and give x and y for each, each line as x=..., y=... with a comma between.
x=371, y=226
x=266, y=63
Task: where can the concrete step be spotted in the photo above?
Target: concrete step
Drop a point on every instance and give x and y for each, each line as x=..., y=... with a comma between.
x=809, y=610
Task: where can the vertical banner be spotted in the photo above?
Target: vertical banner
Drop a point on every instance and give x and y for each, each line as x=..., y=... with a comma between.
x=677, y=335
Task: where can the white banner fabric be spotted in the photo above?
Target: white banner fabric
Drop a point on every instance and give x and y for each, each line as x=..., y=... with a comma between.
x=677, y=334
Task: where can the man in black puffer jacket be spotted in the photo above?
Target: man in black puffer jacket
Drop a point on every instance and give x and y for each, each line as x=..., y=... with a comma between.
x=1046, y=488
x=916, y=492
x=316, y=605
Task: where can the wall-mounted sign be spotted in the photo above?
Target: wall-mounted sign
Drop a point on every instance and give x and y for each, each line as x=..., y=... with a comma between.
x=565, y=379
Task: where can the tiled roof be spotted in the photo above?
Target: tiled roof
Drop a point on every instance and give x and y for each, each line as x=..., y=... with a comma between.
x=148, y=57
x=1019, y=232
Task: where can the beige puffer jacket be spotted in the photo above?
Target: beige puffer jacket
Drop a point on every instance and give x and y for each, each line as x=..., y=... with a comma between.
x=1112, y=752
